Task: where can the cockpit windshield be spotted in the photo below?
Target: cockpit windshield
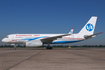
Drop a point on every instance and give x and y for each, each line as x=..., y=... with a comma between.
x=7, y=37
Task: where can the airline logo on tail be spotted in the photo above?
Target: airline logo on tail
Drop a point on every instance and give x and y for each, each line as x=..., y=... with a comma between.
x=89, y=27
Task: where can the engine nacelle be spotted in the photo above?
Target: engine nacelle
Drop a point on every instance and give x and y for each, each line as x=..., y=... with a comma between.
x=36, y=43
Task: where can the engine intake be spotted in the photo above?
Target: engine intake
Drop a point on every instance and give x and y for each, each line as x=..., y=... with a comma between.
x=36, y=43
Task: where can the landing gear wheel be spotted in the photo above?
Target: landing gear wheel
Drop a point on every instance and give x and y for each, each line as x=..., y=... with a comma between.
x=48, y=47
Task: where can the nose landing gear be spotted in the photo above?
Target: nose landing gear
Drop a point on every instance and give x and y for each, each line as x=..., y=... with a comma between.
x=14, y=46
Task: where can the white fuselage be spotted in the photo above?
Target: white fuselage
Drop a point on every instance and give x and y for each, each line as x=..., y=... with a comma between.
x=23, y=38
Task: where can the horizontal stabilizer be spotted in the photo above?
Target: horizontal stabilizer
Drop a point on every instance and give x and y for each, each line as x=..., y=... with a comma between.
x=90, y=36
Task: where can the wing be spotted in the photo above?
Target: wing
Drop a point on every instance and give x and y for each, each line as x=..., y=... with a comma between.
x=90, y=36
x=50, y=39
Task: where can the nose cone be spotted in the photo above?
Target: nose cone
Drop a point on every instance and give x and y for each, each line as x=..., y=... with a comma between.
x=4, y=40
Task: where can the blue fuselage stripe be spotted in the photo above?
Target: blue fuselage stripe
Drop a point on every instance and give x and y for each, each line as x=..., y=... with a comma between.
x=65, y=41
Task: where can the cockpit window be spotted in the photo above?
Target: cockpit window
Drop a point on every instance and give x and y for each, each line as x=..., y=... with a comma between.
x=7, y=37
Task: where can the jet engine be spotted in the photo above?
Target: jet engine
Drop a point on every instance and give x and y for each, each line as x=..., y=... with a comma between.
x=35, y=43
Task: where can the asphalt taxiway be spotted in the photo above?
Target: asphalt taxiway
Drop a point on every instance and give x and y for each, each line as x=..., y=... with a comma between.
x=55, y=59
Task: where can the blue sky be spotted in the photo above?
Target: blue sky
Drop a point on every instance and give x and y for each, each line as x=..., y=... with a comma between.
x=51, y=16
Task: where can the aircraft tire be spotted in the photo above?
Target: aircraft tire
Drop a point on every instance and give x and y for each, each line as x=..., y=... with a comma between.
x=48, y=47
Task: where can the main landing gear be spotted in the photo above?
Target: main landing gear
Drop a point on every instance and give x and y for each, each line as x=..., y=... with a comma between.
x=49, y=47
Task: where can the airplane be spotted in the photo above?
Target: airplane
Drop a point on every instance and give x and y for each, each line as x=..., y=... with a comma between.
x=38, y=40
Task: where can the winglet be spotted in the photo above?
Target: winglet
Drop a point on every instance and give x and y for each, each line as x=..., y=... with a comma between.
x=71, y=31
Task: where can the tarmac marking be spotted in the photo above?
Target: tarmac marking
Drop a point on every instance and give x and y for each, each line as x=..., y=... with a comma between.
x=24, y=60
